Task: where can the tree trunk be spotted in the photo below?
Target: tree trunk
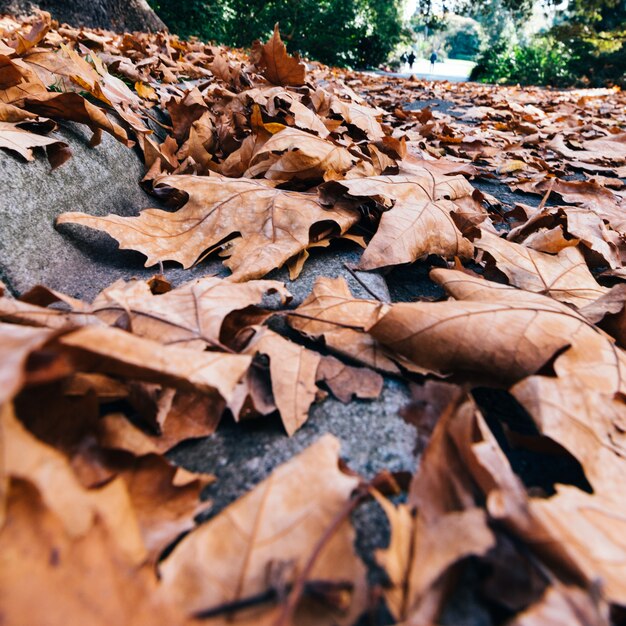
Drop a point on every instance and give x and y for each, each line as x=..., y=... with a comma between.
x=117, y=15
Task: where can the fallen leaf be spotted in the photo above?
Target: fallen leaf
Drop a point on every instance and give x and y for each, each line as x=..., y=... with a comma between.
x=273, y=224
x=275, y=64
x=281, y=520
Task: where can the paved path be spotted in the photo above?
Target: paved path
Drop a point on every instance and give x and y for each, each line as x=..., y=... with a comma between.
x=454, y=70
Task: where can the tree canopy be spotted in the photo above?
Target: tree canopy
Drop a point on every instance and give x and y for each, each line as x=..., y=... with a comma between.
x=357, y=33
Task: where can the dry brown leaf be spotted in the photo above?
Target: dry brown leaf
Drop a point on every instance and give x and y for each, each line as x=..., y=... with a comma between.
x=190, y=316
x=564, y=276
x=113, y=351
x=26, y=458
x=590, y=424
x=40, y=559
x=292, y=154
x=500, y=334
x=293, y=372
x=332, y=312
x=275, y=64
x=16, y=344
x=418, y=221
x=280, y=521
x=346, y=382
x=16, y=139
x=73, y=107
x=273, y=224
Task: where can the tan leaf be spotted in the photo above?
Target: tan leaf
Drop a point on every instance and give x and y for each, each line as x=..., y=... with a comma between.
x=273, y=224
x=346, y=381
x=418, y=222
x=72, y=106
x=275, y=64
x=76, y=508
x=113, y=351
x=293, y=154
x=16, y=139
x=293, y=371
x=499, y=332
x=564, y=276
x=282, y=519
x=189, y=316
x=591, y=425
x=16, y=344
x=39, y=558
x=332, y=312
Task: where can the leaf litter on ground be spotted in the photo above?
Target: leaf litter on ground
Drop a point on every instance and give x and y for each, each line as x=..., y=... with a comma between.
x=265, y=156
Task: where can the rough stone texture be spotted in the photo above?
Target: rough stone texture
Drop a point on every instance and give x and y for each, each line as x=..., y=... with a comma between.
x=76, y=260
x=118, y=15
x=373, y=437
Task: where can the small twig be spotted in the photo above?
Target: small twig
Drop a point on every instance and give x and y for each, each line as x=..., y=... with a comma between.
x=289, y=608
x=272, y=594
x=164, y=126
x=321, y=321
x=238, y=605
x=361, y=282
x=547, y=195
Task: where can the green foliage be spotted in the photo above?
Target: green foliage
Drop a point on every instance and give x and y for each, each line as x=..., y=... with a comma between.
x=463, y=37
x=587, y=47
x=544, y=61
x=353, y=33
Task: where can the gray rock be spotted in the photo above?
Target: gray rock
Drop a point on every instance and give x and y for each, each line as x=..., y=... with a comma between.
x=75, y=260
x=373, y=437
x=119, y=15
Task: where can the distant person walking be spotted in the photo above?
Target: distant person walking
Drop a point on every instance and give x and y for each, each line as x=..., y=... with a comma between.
x=411, y=59
x=433, y=60
x=403, y=58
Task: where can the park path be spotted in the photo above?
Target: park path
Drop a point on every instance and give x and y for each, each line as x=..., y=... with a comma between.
x=454, y=70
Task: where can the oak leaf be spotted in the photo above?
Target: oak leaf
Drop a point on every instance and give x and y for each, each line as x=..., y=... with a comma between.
x=564, y=276
x=273, y=224
x=417, y=216
x=292, y=154
x=332, y=312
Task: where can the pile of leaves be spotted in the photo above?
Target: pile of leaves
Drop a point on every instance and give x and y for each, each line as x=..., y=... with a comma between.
x=265, y=159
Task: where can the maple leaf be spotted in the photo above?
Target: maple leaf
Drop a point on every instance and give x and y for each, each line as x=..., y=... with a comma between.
x=275, y=64
x=418, y=218
x=273, y=224
x=283, y=517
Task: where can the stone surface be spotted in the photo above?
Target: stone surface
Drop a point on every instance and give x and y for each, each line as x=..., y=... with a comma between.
x=76, y=260
x=119, y=15
x=373, y=437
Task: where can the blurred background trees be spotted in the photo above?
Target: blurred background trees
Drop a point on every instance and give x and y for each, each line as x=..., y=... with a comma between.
x=353, y=33
x=546, y=42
